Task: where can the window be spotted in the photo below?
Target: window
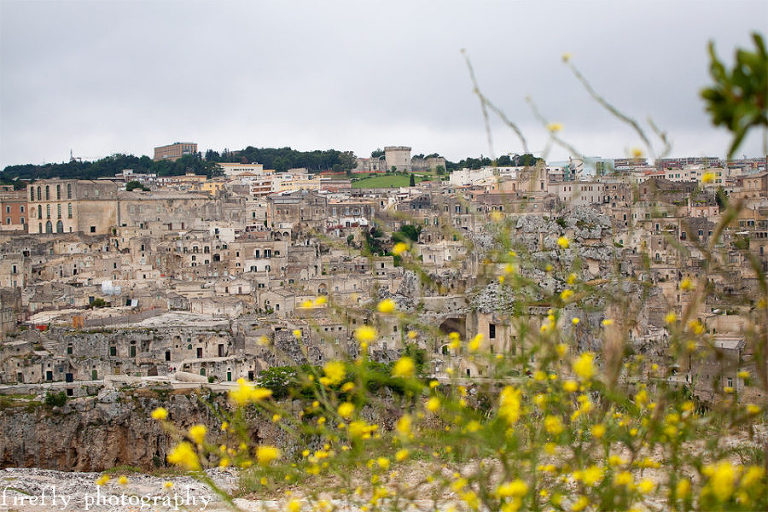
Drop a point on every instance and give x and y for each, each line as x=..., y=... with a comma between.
x=58, y=192
x=93, y=229
x=47, y=193
x=58, y=211
x=492, y=331
x=69, y=191
x=69, y=210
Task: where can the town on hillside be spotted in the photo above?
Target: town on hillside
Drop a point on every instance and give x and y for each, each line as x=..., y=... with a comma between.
x=191, y=280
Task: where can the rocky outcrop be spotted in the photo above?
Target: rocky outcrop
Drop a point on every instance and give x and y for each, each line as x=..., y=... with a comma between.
x=93, y=434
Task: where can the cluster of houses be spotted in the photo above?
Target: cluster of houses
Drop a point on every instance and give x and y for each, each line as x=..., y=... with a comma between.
x=209, y=277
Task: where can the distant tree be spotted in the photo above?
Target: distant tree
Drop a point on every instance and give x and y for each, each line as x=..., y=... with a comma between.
x=133, y=185
x=407, y=232
x=55, y=399
x=377, y=153
x=394, y=168
x=412, y=181
x=440, y=170
x=721, y=198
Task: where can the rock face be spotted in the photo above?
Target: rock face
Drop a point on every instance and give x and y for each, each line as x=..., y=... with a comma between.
x=116, y=429
x=93, y=434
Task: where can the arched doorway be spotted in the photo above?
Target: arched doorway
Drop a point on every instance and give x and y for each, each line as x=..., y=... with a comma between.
x=48, y=227
x=59, y=227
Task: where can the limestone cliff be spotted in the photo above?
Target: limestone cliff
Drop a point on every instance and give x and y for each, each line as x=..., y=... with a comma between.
x=96, y=433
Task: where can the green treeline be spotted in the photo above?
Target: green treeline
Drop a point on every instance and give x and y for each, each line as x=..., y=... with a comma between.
x=109, y=166
x=282, y=159
x=279, y=159
x=502, y=161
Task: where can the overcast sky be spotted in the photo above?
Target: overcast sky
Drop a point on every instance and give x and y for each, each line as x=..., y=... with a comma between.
x=107, y=77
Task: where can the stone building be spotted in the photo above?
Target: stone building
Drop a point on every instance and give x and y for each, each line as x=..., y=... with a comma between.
x=13, y=209
x=70, y=206
x=398, y=157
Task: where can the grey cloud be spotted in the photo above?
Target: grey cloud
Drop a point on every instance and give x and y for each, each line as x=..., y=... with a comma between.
x=103, y=77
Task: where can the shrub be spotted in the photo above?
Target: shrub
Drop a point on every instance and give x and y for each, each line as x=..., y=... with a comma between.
x=55, y=399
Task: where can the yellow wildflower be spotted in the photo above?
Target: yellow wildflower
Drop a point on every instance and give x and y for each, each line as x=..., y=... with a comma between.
x=346, y=410
x=197, y=433
x=386, y=306
x=365, y=334
x=184, y=455
x=103, y=479
x=722, y=480
x=623, y=478
x=646, y=486
x=433, y=404
x=580, y=504
x=404, y=425
x=404, y=367
x=637, y=152
x=566, y=295
x=592, y=475
x=159, y=414
x=297, y=333
x=123, y=480
x=575, y=320
x=598, y=431
x=474, y=343
x=266, y=454
x=401, y=455
x=247, y=393
x=555, y=127
x=399, y=248
x=583, y=367
x=515, y=488
x=553, y=425
x=563, y=242
x=335, y=372
x=708, y=177
x=509, y=404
